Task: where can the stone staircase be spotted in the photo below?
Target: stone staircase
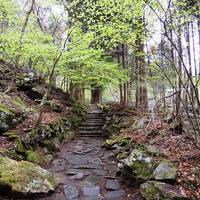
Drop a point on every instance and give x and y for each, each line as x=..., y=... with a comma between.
x=93, y=125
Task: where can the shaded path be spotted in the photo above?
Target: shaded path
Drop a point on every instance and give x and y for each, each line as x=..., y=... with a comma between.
x=85, y=169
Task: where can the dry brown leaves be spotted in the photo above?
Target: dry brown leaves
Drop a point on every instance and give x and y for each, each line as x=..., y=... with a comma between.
x=179, y=149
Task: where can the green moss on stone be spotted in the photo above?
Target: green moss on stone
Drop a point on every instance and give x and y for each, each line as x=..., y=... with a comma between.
x=19, y=102
x=69, y=135
x=11, y=135
x=141, y=169
x=34, y=157
x=125, y=141
x=14, y=155
x=49, y=145
x=149, y=191
x=20, y=148
x=25, y=177
x=6, y=109
x=110, y=142
x=122, y=155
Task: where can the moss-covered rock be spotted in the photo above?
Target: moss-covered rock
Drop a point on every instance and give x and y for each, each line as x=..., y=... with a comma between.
x=153, y=190
x=69, y=135
x=11, y=135
x=10, y=113
x=24, y=178
x=165, y=171
x=124, y=141
x=34, y=157
x=122, y=155
x=50, y=145
x=139, y=124
x=20, y=147
x=109, y=143
x=11, y=153
x=138, y=167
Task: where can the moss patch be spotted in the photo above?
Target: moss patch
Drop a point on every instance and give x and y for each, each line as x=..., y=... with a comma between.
x=20, y=148
x=6, y=109
x=34, y=157
x=109, y=143
x=149, y=191
x=49, y=145
x=11, y=135
x=19, y=102
x=24, y=177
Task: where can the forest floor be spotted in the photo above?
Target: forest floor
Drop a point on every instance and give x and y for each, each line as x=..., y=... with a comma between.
x=182, y=150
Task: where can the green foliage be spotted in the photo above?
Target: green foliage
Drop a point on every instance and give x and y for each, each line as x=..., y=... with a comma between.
x=99, y=26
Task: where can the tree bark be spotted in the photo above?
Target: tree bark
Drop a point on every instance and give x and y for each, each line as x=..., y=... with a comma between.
x=96, y=94
x=141, y=85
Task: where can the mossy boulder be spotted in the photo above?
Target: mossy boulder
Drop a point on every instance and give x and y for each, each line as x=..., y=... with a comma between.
x=34, y=157
x=125, y=141
x=138, y=167
x=24, y=178
x=10, y=113
x=165, y=171
x=11, y=153
x=109, y=143
x=50, y=145
x=20, y=147
x=154, y=190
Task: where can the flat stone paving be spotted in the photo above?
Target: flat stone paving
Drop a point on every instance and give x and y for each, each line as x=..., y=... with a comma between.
x=86, y=171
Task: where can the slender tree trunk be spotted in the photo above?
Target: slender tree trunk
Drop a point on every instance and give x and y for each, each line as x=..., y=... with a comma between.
x=120, y=85
x=124, y=67
x=141, y=85
x=96, y=94
x=22, y=34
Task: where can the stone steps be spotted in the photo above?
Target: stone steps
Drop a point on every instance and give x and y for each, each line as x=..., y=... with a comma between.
x=92, y=124
x=95, y=120
x=91, y=132
x=92, y=127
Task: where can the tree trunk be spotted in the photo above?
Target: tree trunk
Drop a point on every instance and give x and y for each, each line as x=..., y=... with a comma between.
x=141, y=85
x=96, y=94
x=77, y=91
x=124, y=84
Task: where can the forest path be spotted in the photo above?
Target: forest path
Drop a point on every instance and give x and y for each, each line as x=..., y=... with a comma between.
x=85, y=170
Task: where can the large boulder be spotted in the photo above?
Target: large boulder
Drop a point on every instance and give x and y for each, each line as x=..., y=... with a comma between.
x=24, y=178
x=165, y=171
x=138, y=167
x=154, y=190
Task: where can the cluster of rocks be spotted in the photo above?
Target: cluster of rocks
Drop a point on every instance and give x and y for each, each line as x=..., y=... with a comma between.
x=147, y=169
x=11, y=112
x=39, y=145
x=46, y=132
x=115, y=123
